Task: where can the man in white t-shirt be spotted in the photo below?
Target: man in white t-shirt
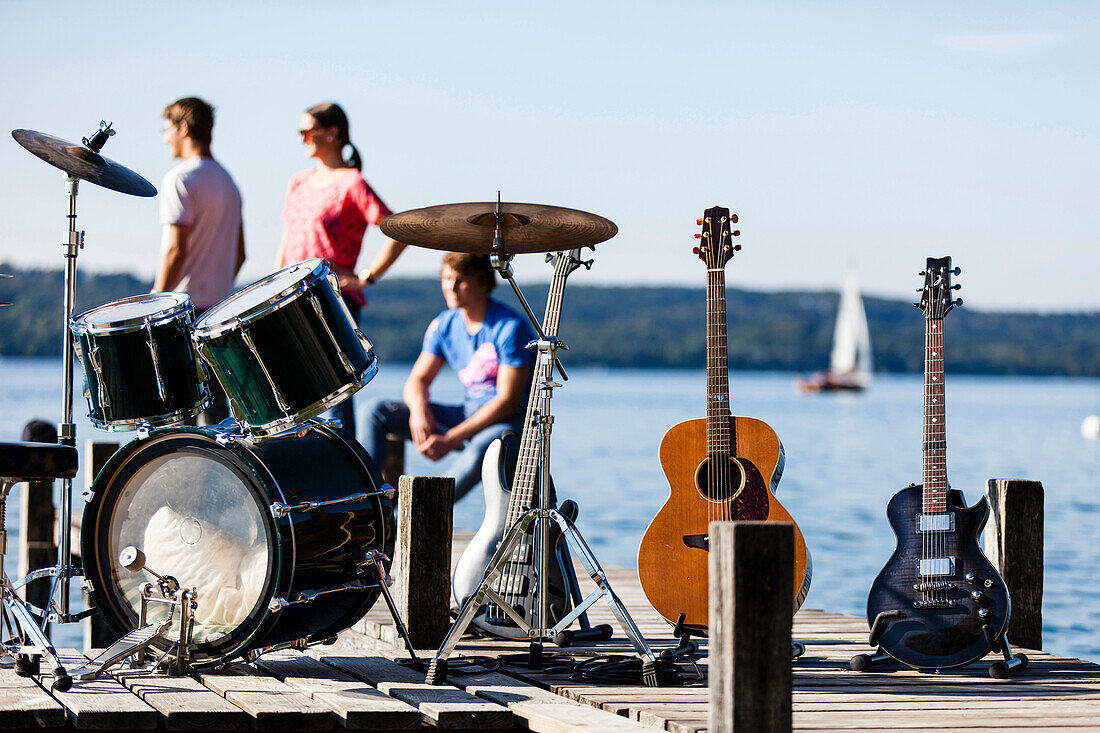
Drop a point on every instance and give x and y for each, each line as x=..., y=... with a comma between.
x=202, y=248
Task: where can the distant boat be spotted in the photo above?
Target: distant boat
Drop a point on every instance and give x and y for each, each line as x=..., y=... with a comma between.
x=850, y=363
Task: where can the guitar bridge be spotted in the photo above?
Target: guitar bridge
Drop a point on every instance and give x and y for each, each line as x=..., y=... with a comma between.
x=929, y=587
x=934, y=604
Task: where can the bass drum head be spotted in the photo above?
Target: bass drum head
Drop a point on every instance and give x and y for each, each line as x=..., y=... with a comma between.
x=195, y=509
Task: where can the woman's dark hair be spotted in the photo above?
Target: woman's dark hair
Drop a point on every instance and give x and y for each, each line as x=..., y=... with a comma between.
x=330, y=114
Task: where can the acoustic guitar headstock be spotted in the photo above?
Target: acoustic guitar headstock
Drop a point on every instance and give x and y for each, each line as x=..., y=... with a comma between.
x=715, y=247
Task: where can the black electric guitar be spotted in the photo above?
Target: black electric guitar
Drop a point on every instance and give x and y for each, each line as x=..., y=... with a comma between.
x=939, y=602
x=510, y=481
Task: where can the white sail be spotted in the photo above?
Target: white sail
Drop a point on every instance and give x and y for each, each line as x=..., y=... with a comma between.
x=851, y=337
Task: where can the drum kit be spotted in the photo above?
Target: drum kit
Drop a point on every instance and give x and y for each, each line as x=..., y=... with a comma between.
x=212, y=544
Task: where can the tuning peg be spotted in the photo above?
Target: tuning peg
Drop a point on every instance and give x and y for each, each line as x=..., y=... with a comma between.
x=549, y=256
x=920, y=290
x=587, y=264
x=733, y=218
x=698, y=236
x=922, y=273
x=957, y=271
x=916, y=305
x=695, y=250
x=699, y=221
x=737, y=232
x=956, y=286
x=958, y=302
x=737, y=248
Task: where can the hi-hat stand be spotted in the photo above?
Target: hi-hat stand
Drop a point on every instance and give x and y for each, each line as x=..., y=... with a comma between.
x=541, y=516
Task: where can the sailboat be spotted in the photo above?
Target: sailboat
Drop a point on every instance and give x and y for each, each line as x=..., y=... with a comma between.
x=850, y=363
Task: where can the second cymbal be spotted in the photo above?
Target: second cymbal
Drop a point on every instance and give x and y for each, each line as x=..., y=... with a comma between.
x=469, y=227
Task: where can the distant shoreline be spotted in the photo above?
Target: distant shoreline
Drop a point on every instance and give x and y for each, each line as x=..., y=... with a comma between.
x=648, y=326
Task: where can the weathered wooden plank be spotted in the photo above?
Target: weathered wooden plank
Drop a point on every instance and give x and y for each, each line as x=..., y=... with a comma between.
x=566, y=718
x=444, y=706
x=183, y=703
x=422, y=579
x=23, y=704
x=751, y=572
x=103, y=704
x=357, y=704
x=269, y=702
x=1014, y=544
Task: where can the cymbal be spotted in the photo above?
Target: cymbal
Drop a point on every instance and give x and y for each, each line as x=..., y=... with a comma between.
x=524, y=228
x=82, y=163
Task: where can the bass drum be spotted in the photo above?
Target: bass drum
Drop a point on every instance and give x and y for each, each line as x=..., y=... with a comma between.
x=216, y=510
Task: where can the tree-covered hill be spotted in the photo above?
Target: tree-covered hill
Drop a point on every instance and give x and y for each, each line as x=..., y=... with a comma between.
x=646, y=326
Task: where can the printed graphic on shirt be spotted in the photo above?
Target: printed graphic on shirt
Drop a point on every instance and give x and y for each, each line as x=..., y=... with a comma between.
x=480, y=375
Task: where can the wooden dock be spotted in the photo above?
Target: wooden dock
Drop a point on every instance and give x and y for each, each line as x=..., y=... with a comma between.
x=357, y=684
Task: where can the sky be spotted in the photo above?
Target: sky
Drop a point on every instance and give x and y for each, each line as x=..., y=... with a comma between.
x=853, y=135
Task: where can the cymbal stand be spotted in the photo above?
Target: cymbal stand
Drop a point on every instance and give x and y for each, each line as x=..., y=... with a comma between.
x=543, y=514
x=57, y=608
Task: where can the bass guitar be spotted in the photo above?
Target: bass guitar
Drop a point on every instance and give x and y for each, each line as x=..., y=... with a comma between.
x=510, y=482
x=719, y=468
x=938, y=602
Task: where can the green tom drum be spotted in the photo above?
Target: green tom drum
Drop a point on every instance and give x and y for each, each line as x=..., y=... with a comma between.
x=139, y=362
x=285, y=348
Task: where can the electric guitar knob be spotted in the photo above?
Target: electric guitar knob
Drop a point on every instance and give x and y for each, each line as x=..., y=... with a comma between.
x=976, y=595
x=969, y=577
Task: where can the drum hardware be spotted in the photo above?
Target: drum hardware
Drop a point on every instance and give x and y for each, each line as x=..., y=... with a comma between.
x=136, y=643
x=280, y=510
x=78, y=163
x=482, y=228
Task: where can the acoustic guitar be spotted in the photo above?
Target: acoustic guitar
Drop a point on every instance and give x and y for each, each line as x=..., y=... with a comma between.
x=719, y=468
x=938, y=602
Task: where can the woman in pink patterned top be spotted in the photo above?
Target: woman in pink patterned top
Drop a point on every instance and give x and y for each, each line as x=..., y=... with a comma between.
x=327, y=212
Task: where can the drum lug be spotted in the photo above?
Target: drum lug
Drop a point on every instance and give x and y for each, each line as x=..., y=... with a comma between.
x=162, y=390
x=279, y=399
x=278, y=604
x=143, y=432
x=332, y=337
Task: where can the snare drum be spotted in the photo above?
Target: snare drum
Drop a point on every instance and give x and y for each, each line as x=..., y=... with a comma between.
x=275, y=534
x=285, y=348
x=139, y=362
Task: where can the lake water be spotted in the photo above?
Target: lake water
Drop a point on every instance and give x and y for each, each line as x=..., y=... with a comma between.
x=846, y=456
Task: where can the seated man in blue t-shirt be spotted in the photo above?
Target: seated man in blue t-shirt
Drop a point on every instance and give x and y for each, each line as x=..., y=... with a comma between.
x=485, y=343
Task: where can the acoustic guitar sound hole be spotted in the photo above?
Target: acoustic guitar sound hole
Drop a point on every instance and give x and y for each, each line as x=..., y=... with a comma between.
x=720, y=479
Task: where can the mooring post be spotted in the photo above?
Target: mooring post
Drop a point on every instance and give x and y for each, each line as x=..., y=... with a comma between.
x=37, y=544
x=395, y=460
x=422, y=568
x=96, y=453
x=1014, y=544
x=751, y=608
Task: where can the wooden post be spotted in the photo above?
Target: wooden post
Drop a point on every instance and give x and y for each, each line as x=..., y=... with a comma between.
x=96, y=453
x=37, y=548
x=1014, y=544
x=395, y=460
x=422, y=572
x=751, y=575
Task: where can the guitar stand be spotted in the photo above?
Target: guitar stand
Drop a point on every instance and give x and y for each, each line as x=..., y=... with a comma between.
x=544, y=514
x=1001, y=669
x=587, y=632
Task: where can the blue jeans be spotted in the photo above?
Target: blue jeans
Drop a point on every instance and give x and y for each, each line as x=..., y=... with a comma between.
x=464, y=465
